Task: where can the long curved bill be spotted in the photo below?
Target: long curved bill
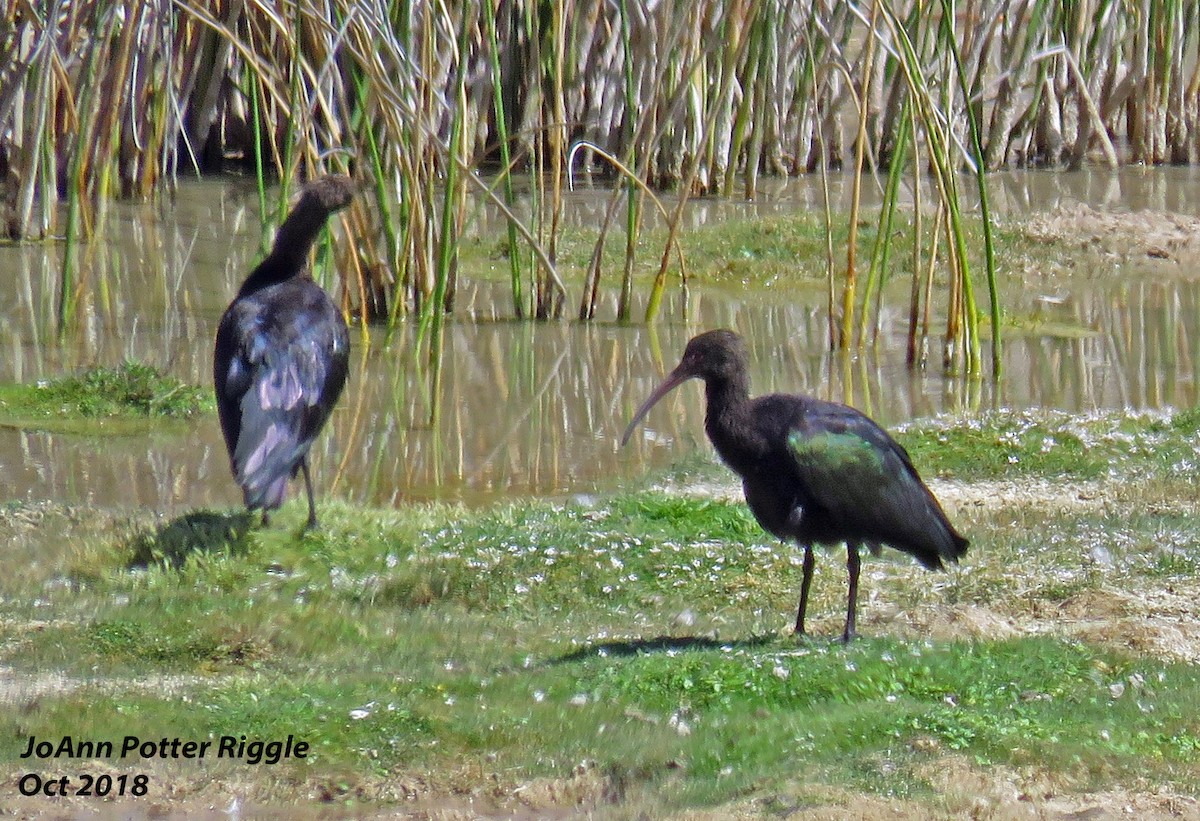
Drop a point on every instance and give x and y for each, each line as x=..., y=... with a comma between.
x=673, y=380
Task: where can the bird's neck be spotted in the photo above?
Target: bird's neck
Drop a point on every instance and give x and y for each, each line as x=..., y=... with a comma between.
x=293, y=241
x=727, y=420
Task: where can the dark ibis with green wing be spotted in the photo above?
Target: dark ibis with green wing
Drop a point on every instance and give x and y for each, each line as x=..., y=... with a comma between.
x=281, y=357
x=812, y=471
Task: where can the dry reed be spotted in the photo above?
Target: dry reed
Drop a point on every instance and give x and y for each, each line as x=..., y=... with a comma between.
x=121, y=99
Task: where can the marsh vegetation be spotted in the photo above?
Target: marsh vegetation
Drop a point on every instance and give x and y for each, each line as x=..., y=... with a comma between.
x=698, y=98
x=441, y=107
x=609, y=655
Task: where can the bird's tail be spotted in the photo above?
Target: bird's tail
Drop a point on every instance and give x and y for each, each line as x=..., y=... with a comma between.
x=949, y=546
x=268, y=453
x=265, y=497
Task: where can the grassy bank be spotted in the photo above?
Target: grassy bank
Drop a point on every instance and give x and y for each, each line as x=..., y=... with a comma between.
x=126, y=399
x=630, y=653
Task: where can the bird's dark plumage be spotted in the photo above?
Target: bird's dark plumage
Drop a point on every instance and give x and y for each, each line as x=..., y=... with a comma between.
x=281, y=357
x=814, y=471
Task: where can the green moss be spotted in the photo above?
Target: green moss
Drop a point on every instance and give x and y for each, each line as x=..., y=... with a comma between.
x=102, y=401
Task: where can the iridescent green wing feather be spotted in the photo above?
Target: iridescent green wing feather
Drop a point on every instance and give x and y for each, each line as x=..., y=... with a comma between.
x=859, y=475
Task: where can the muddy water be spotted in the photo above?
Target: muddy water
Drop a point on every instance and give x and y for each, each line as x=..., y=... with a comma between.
x=525, y=408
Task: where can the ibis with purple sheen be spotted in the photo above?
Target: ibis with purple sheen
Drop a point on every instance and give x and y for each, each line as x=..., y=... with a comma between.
x=281, y=357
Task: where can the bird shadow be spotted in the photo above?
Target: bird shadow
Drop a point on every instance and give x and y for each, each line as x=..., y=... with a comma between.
x=661, y=644
x=198, y=532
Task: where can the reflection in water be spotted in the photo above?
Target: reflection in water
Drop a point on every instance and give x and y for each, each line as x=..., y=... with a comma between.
x=525, y=408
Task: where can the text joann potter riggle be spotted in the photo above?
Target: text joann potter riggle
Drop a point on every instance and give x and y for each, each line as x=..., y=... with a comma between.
x=233, y=748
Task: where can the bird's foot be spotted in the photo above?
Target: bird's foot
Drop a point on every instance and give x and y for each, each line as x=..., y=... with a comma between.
x=801, y=636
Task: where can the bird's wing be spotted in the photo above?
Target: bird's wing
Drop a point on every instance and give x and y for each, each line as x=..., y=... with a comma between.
x=862, y=478
x=232, y=374
x=294, y=373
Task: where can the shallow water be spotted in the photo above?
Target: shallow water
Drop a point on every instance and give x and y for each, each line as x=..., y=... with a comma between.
x=529, y=408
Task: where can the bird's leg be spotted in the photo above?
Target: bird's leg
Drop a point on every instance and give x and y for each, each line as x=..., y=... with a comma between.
x=853, y=565
x=266, y=519
x=312, y=508
x=805, y=583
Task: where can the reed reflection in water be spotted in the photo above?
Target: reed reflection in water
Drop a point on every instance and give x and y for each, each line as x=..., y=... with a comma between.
x=523, y=408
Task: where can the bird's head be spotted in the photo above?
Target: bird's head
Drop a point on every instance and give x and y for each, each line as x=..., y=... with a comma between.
x=318, y=199
x=719, y=354
x=332, y=192
x=714, y=356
